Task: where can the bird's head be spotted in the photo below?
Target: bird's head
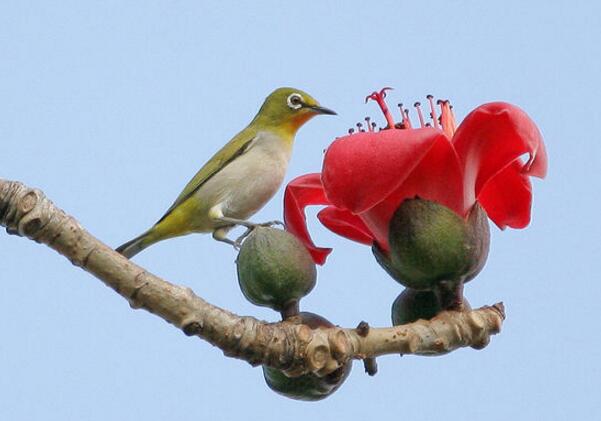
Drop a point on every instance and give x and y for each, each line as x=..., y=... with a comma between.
x=288, y=109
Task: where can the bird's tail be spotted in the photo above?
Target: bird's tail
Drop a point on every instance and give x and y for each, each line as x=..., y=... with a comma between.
x=133, y=247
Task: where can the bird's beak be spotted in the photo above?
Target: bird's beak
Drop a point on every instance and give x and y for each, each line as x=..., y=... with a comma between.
x=322, y=110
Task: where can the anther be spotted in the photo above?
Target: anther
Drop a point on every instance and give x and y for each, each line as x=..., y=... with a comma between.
x=351, y=131
x=360, y=127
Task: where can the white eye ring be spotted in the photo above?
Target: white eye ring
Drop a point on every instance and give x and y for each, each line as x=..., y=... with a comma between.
x=295, y=101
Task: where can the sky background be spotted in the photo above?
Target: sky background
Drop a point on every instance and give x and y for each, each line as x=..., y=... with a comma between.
x=110, y=107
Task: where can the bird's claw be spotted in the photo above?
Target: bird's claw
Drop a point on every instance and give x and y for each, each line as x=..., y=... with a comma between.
x=250, y=226
x=249, y=229
x=239, y=240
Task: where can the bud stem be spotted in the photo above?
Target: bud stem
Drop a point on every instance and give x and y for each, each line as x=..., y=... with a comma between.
x=290, y=309
x=450, y=295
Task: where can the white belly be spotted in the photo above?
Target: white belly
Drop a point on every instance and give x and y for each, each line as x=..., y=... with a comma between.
x=245, y=185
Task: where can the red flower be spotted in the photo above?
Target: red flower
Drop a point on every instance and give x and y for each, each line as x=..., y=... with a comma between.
x=368, y=174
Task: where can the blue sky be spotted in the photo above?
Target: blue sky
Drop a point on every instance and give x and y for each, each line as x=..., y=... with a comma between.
x=110, y=107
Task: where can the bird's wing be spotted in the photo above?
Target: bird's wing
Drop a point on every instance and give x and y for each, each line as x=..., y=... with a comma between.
x=232, y=150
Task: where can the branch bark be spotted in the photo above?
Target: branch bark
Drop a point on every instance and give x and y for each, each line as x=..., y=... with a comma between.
x=288, y=346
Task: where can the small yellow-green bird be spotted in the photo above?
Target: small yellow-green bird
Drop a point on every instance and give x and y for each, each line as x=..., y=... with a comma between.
x=240, y=178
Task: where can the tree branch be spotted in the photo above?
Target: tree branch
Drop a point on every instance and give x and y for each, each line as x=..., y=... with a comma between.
x=288, y=346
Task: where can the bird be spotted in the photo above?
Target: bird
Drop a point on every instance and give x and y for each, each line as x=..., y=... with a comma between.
x=240, y=178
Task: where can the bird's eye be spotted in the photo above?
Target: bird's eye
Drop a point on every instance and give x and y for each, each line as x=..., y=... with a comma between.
x=295, y=101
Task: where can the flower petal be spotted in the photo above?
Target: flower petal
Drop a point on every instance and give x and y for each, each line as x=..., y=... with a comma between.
x=507, y=197
x=301, y=192
x=492, y=137
x=362, y=169
x=344, y=223
x=437, y=177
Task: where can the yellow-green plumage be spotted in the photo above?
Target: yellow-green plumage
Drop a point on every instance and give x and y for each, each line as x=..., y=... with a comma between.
x=240, y=178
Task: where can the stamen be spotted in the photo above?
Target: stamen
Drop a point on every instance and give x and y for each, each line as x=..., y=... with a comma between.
x=351, y=131
x=446, y=118
x=379, y=98
x=406, y=121
x=443, y=119
x=417, y=105
x=433, y=111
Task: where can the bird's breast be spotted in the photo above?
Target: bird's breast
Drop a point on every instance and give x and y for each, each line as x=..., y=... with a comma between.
x=246, y=184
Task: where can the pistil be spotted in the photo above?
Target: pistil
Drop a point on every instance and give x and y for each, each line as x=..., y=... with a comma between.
x=379, y=98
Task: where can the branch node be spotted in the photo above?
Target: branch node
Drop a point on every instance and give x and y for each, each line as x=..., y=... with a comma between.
x=440, y=346
x=192, y=329
x=28, y=202
x=318, y=356
x=500, y=308
x=362, y=329
x=133, y=297
x=85, y=259
x=482, y=344
x=339, y=346
x=31, y=227
x=370, y=365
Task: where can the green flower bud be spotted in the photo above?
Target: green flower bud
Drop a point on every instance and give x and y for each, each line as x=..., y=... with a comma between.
x=275, y=269
x=307, y=387
x=431, y=244
x=412, y=305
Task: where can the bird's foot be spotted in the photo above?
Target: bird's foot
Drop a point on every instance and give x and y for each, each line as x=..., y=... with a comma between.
x=236, y=244
x=271, y=223
x=248, y=224
x=220, y=234
x=250, y=229
x=240, y=239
